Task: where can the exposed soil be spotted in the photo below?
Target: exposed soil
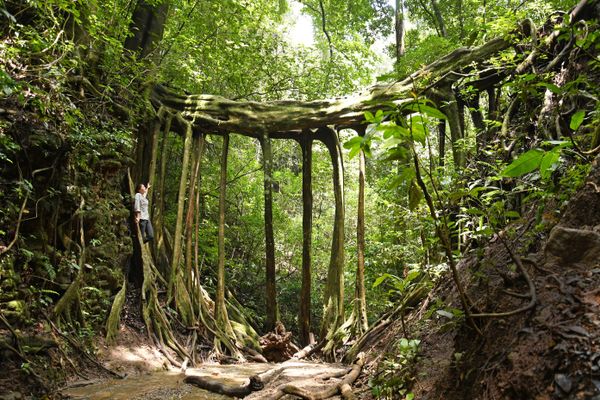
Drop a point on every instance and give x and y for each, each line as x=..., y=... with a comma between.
x=549, y=352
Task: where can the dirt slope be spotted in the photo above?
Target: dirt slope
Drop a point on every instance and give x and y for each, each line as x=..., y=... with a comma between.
x=549, y=352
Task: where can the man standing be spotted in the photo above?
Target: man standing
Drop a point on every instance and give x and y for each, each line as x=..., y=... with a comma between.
x=140, y=209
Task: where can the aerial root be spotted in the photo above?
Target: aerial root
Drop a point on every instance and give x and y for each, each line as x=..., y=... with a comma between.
x=532, y=292
x=342, y=387
x=112, y=323
x=77, y=347
x=332, y=384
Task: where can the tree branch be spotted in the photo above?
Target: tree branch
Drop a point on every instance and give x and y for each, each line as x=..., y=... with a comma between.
x=324, y=27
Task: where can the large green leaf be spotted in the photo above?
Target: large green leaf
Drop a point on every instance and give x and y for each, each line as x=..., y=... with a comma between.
x=354, y=142
x=577, y=119
x=397, y=153
x=524, y=164
x=426, y=110
x=354, y=152
x=548, y=163
x=392, y=142
x=384, y=277
x=394, y=130
x=418, y=129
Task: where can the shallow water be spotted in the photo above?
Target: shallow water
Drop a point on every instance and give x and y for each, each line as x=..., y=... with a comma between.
x=170, y=385
x=166, y=385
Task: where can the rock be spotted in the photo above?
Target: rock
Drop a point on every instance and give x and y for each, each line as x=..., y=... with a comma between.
x=563, y=382
x=11, y=396
x=574, y=245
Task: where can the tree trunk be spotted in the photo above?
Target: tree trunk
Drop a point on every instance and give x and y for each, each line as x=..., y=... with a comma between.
x=307, y=202
x=477, y=117
x=189, y=220
x=220, y=308
x=183, y=182
x=333, y=314
x=158, y=202
x=400, y=48
x=147, y=27
x=439, y=19
x=154, y=150
x=360, y=301
x=153, y=162
x=271, y=290
x=444, y=95
x=442, y=142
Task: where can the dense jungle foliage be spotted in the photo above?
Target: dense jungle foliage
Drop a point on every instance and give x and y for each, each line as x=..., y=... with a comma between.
x=76, y=118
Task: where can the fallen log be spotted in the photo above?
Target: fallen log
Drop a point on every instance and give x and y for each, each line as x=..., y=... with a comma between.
x=254, y=383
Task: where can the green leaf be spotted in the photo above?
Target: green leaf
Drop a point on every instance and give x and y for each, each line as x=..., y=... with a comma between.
x=427, y=110
x=524, y=164
x=414, y=196
x=418, y=129
x=380, y=280
x=474, y=211
x=577, y=119
x=408, y=174
x=512, y=214
x=560, y=143
x=355, y=141
x=412, y=275
x=397, y=153
x=551, y=87
x=391, y=142
x=549, y=162
x=355, y=150
x=367, y=150
x=393, y=130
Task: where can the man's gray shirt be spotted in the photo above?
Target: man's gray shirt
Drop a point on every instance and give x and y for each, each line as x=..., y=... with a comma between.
x=141, y=206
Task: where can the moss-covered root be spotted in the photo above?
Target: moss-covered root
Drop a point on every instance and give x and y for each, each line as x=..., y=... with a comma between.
x=70, y=302
x=112, y=324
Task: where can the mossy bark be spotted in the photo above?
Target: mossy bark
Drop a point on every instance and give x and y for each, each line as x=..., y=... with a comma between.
x=333, y=299
x=286, y=119
x=360, y=299
x=178, y=237
x=161, y=253
x=227, y=334
x=307, y=203
x=192, y=232
x=114, y=318
x=69, y=303
x=271, y=290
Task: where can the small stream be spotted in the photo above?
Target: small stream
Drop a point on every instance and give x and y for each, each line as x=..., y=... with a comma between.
x=169, y=385
x=166, y=384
